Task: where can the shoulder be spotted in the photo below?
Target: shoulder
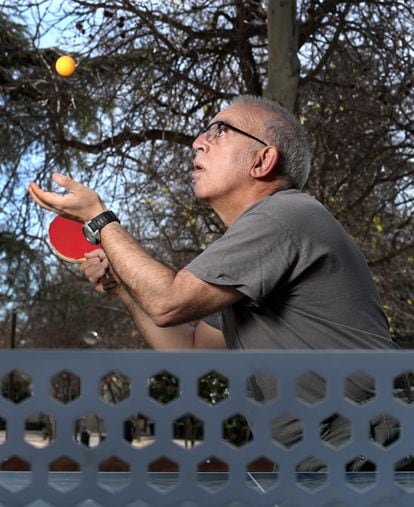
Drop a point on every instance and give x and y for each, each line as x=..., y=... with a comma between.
x=287, y=209
x=291, y=201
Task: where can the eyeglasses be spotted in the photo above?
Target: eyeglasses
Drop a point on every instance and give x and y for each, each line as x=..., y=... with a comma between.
x=217, y=128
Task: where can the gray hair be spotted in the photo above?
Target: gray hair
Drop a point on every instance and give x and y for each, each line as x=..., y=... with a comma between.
x=285, y=132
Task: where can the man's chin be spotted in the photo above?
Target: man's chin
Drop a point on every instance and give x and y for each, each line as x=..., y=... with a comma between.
x=200, y=195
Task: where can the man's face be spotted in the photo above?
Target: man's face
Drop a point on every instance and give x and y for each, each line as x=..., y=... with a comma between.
x=222, y=164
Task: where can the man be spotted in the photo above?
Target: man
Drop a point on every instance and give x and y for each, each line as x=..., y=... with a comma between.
x=285, y=275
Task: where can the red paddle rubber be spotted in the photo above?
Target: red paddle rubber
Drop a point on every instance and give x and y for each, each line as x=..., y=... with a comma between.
x=70, y=244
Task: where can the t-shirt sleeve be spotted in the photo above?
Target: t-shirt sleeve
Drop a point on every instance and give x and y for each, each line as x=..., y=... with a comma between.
x=255, y=256
x=213, y=320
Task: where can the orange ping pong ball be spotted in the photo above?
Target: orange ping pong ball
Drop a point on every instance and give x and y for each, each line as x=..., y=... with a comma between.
x=65, y=66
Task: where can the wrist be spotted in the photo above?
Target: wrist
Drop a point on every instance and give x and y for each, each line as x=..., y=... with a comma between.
x=98, y=210
x=92, y=228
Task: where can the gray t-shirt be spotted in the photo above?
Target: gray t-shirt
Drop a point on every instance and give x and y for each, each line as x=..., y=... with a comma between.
x=306, y=286
x=306, y=283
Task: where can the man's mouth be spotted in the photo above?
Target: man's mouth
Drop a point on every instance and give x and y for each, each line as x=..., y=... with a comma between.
x=197, y=168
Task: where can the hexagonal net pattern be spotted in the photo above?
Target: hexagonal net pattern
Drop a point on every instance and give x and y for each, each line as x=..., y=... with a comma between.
x=151, y=429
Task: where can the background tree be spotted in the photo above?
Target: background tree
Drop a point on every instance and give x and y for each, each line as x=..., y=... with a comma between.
x=283, y=64
x=151, y=75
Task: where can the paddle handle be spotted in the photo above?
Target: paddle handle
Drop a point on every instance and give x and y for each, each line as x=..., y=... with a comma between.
x=108, y=281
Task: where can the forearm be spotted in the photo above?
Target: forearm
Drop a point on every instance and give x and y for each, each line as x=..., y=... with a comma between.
x=168, y=298
x=148, y=281
x=168, y=338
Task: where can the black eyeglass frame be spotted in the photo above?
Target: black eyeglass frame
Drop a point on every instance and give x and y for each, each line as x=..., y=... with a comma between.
x=231, y=127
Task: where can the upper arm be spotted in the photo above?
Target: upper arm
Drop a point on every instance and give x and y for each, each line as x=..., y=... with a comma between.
x=191, y=298
x=208, y=337
x=254, y=256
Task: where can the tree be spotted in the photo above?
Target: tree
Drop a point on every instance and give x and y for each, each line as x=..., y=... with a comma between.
x=150, y=76
x=283, y=65
x=63, y=312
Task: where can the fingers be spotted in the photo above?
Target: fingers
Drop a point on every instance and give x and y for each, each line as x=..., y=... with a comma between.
x=63, y=180
x=67, y=182
x=37, y=194
x=95, y=269
x=94, y=273
x=50, y=200
x=110, y=276
x=79, y=202
x=96, y=253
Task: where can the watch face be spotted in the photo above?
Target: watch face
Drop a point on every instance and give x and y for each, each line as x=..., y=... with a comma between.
x=89, y=234
x=91, y=229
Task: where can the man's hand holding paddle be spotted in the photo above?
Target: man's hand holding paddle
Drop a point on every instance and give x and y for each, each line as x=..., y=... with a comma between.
x=97, y=270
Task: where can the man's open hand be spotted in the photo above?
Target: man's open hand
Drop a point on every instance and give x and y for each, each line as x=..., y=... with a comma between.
x=79, y=202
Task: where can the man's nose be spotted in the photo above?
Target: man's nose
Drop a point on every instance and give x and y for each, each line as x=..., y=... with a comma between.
x=200, y=142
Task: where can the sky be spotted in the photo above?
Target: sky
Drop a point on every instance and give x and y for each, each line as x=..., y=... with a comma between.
x=52, y=33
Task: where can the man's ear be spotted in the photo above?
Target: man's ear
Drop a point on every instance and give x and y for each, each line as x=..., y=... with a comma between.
x=265, y=162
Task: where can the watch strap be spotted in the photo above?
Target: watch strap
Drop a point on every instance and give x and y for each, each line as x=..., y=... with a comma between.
x=92, y=228
x=97, y=223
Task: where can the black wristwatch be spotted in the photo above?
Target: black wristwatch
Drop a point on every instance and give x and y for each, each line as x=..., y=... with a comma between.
x=92, y=228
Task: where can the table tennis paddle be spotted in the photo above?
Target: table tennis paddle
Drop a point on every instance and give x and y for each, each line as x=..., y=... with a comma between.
x=70, y=244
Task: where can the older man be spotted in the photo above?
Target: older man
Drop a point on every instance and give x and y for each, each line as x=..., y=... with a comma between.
x=285, y=275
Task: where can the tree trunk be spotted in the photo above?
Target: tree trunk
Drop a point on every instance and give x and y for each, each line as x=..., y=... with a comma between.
x=283, y=60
